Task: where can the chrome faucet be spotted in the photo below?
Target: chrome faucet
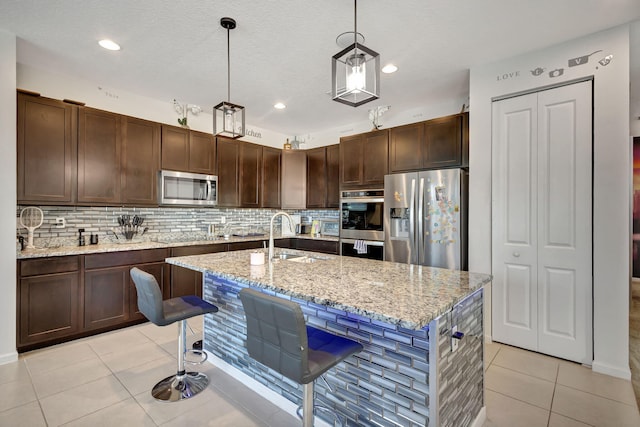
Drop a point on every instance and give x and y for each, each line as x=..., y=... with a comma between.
x=271, y=231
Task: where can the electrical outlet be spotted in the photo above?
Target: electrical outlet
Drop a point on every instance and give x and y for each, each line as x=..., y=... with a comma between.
x=454, y=339
x=223, y=220
x=60, y=222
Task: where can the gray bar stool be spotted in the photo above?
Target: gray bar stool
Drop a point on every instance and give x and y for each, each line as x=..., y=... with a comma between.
x=183, y=384
x=278, y=337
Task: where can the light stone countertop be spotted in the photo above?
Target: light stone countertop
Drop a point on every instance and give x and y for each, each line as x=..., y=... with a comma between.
x=409, y=296
x=134, y=245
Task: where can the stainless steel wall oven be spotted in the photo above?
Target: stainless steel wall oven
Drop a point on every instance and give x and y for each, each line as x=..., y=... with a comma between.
x=362, y=223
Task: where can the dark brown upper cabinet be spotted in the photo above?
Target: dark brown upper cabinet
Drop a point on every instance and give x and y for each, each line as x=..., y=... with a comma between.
x=186, y=150
x=140, y=161
x=228, y=158
x=333, y=176
x=317, y=178
x=433, y=144
x=294, y=179
x=250, y=174
x=364, y=159
x=99, y=157
x=270, y=191
x=46, y=150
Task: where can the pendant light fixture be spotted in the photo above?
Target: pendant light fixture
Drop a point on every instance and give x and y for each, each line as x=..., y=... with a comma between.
x=228, y=118
x=355, y=71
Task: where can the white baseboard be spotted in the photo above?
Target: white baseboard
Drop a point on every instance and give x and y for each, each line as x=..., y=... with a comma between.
x=613, y=371
x=273, y=397
x=8, y=357
x=480, y=418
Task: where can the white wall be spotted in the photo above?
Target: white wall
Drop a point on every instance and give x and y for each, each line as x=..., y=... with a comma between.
x=612, y=171
x=8, y=196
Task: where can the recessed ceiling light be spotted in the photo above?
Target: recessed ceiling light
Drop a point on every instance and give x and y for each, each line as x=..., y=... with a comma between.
x=109, y=44
x=389, y=68
x=279, y=106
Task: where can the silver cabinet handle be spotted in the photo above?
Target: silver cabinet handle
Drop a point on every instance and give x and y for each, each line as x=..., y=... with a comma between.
x=516, y=254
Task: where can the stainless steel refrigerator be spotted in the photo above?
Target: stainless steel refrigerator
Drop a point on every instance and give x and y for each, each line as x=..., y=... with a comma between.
x=425, y=218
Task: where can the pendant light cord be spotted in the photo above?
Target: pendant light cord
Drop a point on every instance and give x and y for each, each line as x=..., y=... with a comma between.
x=228, y=70
x=355, y=25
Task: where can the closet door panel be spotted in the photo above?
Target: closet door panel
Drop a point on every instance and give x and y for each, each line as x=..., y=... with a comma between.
x=565, y=222
x=514, y=222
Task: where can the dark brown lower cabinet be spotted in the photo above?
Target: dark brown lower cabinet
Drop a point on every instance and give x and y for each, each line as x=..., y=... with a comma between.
x=48, y=307
x=106, y=297
x=68, y=297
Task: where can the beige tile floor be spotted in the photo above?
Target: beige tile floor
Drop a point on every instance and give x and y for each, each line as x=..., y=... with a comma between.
x=106, y=381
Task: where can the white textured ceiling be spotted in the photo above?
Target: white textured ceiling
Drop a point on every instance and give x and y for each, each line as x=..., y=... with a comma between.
x=281, y=49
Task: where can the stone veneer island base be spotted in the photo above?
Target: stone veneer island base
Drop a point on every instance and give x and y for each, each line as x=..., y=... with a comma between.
x=412, y=372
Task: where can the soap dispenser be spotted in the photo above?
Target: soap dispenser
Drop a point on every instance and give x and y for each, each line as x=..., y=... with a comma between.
x=81, y=237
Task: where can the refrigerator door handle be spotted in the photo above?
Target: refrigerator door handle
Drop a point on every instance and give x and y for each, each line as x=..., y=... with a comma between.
x=413, y=248
x=420, y=223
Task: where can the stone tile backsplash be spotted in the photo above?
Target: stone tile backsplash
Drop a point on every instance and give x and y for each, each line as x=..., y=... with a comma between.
x=161, y=221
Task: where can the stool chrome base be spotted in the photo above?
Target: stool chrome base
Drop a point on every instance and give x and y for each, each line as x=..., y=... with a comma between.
x=180, y=387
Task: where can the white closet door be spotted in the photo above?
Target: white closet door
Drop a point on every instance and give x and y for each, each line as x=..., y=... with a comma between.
x=542, y=219
x=564, y=222
x=514, y=290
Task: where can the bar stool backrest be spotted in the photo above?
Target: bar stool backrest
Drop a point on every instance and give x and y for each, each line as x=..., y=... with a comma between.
x=149, y=296
x=276, y=333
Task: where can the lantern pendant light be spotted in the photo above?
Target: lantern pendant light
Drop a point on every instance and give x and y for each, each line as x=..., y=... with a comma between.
x=228, y=118
x=355, y=72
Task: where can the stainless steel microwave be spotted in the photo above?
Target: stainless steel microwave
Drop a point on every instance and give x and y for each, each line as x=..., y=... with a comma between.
x=184, y=188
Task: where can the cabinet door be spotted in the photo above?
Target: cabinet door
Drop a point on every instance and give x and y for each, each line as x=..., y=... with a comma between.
x=106, y=297
x=294, y=179
x=250, y=174
x=228, y=156
x=157, y=270
x=333, y=176
x=175, y=148
x=351, y=160
x=443, y=142
x=317, y=178
x=48, y=307
x=270, y=189
x=140, y=161
x=46, y=150
x=375, y=158
x=202, y=153
x=405, y=147
x=99, y=154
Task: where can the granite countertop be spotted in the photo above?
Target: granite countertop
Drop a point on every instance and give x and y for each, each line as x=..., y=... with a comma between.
x=406, y=295
x=158, y=243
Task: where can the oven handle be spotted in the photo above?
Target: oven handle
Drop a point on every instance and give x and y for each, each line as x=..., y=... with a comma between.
x=368, y=242
x=362, y=200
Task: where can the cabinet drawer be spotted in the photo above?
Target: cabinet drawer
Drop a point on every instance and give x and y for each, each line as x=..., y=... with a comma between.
x=198, y=250
x=324, y=246
x=51, y=265
x=115, y=259
x=238, y=246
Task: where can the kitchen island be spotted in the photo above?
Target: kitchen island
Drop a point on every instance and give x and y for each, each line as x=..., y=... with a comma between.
x=412, y=370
